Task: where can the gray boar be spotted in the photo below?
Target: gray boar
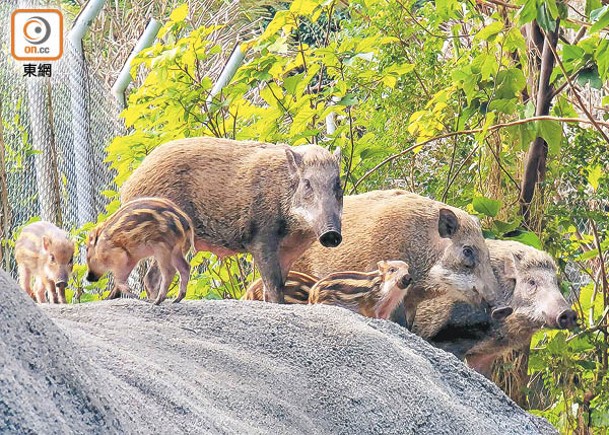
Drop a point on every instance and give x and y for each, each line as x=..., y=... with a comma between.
x=44, y=253
x=269, y=200
x=142, y=228
x=529, y=284
x=456, y=322
x=441, y=244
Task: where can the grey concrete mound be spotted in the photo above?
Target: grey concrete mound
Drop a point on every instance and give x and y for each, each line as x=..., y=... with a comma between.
x=126, y=366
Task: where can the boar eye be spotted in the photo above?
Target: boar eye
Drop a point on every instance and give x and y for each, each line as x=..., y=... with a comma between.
x=52, y=258
x=469, y=260
x=307, y=184
x=532, y=282
x=392, y=270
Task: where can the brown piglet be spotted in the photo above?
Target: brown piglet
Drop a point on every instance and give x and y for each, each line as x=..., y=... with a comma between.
x=44, y=253
x=142, y=228
x=296, y=288
x=374, y=294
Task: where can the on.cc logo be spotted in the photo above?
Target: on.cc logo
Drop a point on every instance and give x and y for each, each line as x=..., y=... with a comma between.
x=37, y=34
x=37, y=30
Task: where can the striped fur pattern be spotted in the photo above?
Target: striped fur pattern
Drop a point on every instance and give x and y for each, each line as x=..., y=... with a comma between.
x=142, y=228
x=296, y=289
x=44, y=255
x=374, y=294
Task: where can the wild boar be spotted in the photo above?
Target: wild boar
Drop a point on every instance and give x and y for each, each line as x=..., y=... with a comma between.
x=142, y=228
x=269, y=200
x=46, y=254
x=441, y=244
x=455, y=321
x=296, y=289
x=529, y=284
x=373, y=294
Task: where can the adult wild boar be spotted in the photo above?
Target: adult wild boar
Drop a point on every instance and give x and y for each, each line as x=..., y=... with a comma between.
x=269, y=200
x=529, y=284
x=441, y=244
x=456, y=322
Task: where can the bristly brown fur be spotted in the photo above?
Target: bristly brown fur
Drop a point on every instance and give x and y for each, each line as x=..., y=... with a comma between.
x=296, y=289
x=154, y=219
x=356, y=291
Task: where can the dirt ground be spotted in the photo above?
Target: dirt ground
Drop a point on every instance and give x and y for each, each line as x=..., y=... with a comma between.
x=232, y=367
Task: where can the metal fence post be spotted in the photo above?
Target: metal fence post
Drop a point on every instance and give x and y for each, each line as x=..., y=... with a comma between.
x=231, y=67
x=42, y=142
x=124, y=78
x=83, y=151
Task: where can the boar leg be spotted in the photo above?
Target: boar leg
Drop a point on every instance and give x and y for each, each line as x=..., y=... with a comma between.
x=25, y=280
x=61, y=293
x=167, y=274
x=52, y=291
x=120, y=278
x=180, y=263
x=270, y=270
x=39, y=291
x=152, y=280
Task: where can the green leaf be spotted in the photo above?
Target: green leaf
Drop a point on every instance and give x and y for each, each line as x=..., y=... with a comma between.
x=528, y=238
x=486, y=206
x=489, y=32
x=571, y=53
x=601, y=16
x=551, y=132
x=564, y=108
x=544, y=18
x=179, y=14
x=514, y=40
x=592, y=5
x=528, y=133
x=303, y=7
x=601, y=55
x=505, y=227
x=590, y=76
x=528, y=12
x=594, y=175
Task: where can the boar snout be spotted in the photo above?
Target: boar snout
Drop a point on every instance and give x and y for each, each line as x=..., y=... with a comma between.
x=501, y=313
x=91, y=277
x=61, y=284
x=404, y=281
x=567, y=319
x=331, y=239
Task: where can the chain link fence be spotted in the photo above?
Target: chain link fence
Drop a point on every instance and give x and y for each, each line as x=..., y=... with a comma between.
x=52, y=141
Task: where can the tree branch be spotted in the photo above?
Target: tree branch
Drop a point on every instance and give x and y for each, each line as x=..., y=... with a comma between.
x=535, y=164
x=467, y=132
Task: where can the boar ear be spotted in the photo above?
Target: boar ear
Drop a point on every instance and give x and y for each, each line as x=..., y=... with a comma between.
x=46, y=243
x=336, y=155
x=381, y=265
x=510, y=265
x=448, y=224
x=93, y=236
x=294, y=161
x=501, y=313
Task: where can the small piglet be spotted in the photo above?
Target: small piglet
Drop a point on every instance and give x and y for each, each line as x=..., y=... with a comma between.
x=296, y=288
x=45, y=253
x=142, y=228
x=375, y=294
